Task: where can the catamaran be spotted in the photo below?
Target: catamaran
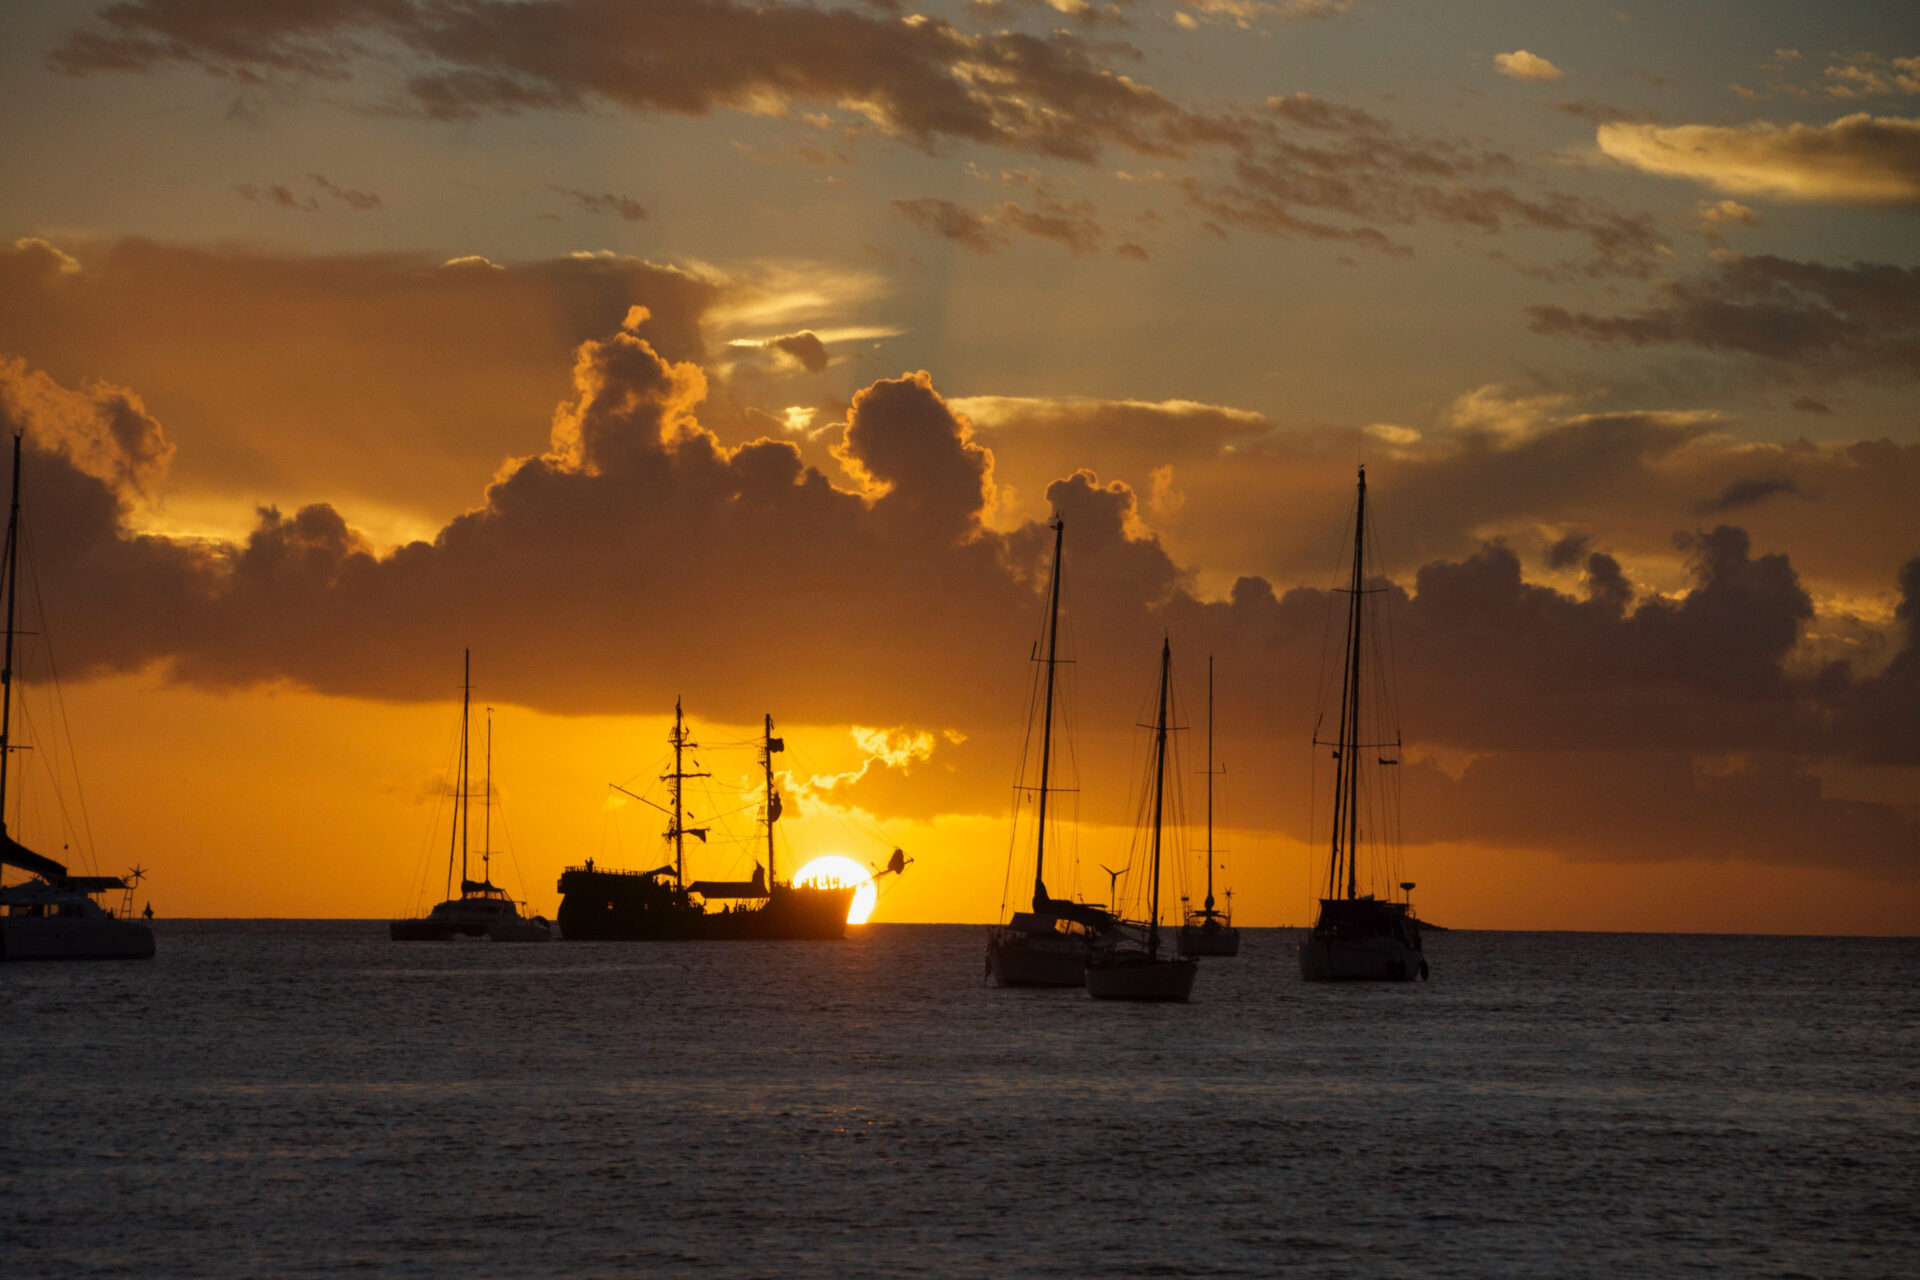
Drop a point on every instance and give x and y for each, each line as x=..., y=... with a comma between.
x=1048, y=944
x=53, y=916
x=1360, y=936
x=483, y=909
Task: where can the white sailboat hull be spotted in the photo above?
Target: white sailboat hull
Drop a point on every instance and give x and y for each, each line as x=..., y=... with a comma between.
x=1135, y=976
x=73, y=938
x=1324, y=959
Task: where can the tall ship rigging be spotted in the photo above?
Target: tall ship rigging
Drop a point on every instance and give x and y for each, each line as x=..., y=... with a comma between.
x=1046, y=945
x=482, y=909
x=1361, y=936
x=662, y=904
x=1210, y=931
x=53, y=915
x=1135, y=969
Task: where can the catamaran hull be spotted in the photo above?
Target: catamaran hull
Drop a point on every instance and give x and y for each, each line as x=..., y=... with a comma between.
x=1369, y=960
x=1140, y=977
x=1209, y=942
x=1021, y=960
x=520, y=930
x=69, y=938
x=424, y=930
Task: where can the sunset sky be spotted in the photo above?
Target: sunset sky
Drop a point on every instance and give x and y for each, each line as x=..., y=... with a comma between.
x=657, y=348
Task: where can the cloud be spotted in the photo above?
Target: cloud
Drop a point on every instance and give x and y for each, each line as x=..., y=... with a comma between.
x=950, y=221
x=620, y=206
x=101, y=431
x=1857, y=160
x=1747, y=492
x=363, y=201
x=1800, y=316
x=385, y=380
x=1521, y=65
x=915, y=78
x=1319, y=170
x=284, y=197
x=1065, y=224
x=1300, y=168
x=637, y=556
x=802, y=350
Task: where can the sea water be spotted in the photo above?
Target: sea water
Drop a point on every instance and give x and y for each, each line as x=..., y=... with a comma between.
x=294, y=1099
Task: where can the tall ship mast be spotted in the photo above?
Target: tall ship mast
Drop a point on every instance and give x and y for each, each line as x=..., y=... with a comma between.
x=664, y=903
x=1047, y=944
x=52, y=915
x=1361, y=936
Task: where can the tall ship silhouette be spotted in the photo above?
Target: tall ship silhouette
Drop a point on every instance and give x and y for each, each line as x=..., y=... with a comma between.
x=605, y=904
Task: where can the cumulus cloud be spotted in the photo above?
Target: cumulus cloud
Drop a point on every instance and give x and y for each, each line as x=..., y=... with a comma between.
x=326, y=354
x=1858, y=159
x=637, y=556
x=1522, y=65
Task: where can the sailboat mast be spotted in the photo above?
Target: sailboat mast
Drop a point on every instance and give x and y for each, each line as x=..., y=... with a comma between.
x=1350, y=751
x=486, y=846
x=1346, y=782
x=466, y=789
x=1209, y=782
x=1159, y=796
x=6, y=666
x=1046, y=726
x=772, y=813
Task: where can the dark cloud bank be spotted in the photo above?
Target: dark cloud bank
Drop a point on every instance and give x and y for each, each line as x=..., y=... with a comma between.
x=639, y=558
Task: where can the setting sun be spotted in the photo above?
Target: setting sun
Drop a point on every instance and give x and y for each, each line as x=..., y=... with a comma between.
x=836, y=869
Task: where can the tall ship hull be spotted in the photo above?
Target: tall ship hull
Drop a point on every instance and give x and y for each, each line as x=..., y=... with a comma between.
x=1210, y=939
x=625, y=906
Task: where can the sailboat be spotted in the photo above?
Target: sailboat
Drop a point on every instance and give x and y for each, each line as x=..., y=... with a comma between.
x=483, y=909
x=53, y=916
x=1360, y=936
x=1140, y=972
x=605, y=904
x=1209, y=932
x=1048, y=945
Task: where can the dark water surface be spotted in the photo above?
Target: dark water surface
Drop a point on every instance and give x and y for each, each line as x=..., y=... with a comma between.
x=283, y=1098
